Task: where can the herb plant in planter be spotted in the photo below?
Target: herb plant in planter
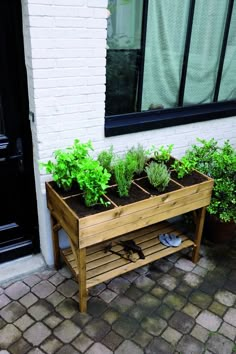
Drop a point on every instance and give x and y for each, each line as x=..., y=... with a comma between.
x=139, y=155
x=183, y=167
x=105, y=159
x=158, y=176
x=162, y=154
x=124, y=169
x=66, y=164
x=93, y=180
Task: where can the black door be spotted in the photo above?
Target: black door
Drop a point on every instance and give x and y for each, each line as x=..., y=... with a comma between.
x=18, y=215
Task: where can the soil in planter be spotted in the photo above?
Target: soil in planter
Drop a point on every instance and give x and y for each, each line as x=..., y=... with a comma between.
x=189, y=180
x=77, y=205
x=145, y=184
x=112, y=181
x=135, y=194
x=63, y=193
x=141, y=175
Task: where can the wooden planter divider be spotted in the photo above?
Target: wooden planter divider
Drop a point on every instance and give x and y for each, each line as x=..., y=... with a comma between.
x=141, y=221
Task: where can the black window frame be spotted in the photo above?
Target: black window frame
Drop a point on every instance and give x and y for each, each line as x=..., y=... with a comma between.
x=162, y=118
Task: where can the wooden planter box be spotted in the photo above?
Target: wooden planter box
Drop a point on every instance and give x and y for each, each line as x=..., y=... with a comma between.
x=141, y=221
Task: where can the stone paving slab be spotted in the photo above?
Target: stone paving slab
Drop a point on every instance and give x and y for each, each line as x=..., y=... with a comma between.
x=171, y=306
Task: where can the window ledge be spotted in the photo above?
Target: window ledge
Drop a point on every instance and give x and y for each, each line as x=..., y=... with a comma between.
x=156, y=119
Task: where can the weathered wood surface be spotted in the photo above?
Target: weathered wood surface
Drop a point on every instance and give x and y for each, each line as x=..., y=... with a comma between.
x=106, y=225
x=142, y=221
x=101, y=266
x=142, y=218
x=65, y=217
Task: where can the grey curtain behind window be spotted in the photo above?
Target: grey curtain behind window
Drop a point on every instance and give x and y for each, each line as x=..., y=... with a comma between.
x=228, y=81
x=166, y=34
x=206, y=42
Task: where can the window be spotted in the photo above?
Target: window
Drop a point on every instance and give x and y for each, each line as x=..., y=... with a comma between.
x=169, y=63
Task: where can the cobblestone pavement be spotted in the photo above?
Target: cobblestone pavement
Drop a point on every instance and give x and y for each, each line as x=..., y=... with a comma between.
x=172, y=306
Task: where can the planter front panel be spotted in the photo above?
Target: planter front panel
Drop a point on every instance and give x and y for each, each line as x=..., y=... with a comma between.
x=141, y=214
x=90, y=230
x=60, y=210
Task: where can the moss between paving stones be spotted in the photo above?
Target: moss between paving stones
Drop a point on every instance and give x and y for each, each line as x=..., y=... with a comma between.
x=125, y=326
x=142, y=338
x=175, y=301
x=164, y=311
x=97, y=329
x=154, y=325
x=191, y=310
x=149, y=302
x=138, y=313
x=184, y=290
x=111, y=316
x=122, y=304
x=200, y=299
x=133, y=293
x=159, y=292
x=218, y=308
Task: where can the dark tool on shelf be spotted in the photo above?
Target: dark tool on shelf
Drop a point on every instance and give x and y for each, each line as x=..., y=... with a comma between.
x=131, y=246
x=129, y=255
x=108, y=248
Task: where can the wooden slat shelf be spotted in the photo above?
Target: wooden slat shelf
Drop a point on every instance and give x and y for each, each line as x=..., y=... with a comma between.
x=102, y=266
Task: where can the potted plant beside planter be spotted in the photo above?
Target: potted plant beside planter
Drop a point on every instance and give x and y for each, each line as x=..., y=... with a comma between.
x=218, y=162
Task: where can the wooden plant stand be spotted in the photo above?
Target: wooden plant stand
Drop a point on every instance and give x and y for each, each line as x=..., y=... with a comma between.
x=141, y=221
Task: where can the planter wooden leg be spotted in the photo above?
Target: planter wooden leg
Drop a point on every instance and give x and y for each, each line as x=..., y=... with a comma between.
x=81, y=257
x=198, y=234
x=56, y=250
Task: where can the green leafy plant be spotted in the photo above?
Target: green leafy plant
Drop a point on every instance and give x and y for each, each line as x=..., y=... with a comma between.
x=184, y=166
x=218, y=162
x=124, y=169
x=139, y=156
x=93, y=180
x=158, y=175
x=105, y=159
x=66, y=164
x=163, y=154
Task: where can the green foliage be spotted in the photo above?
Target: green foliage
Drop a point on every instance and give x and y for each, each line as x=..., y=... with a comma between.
x=105, y=159
x=66, y=164
x=218, y=162
x=124, y=170
x=139, y=156
x=93, y=180
x=158, y=175
x=162, y=154
x=183, y=167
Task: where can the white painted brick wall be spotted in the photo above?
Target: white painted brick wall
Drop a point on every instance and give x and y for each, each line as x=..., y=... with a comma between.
x=65, y=50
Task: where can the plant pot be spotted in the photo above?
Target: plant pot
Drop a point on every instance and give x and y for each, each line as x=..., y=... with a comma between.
x=218, y=231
